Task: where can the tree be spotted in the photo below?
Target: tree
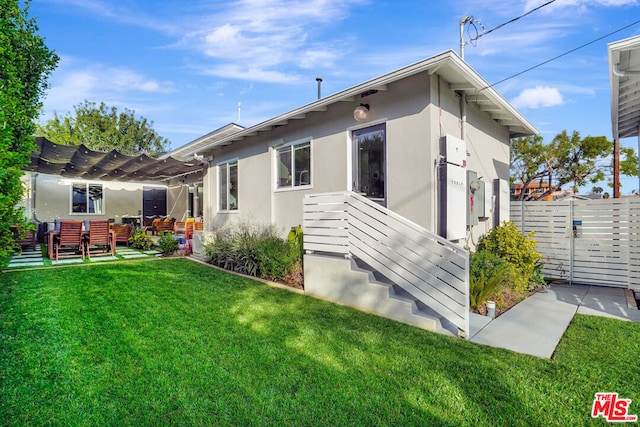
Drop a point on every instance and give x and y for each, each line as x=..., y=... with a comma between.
x=102, y=128
x=25, y=64
x=568, y=159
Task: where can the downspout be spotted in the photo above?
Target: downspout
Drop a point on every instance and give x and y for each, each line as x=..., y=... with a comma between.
x=435, y=207
x=196, y=202
x=624, y=73
x=616, y=167
x=463, y=116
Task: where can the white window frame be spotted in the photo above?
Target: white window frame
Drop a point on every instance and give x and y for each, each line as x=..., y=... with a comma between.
x=220, y=166
x=276, y=176
x=349, y=146
x=86, y=185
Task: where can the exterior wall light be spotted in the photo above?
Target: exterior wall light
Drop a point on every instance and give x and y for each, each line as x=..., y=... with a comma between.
x=361, y=112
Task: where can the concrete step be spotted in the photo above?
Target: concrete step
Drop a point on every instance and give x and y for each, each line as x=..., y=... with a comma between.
x=333, y=279
x=419, y=310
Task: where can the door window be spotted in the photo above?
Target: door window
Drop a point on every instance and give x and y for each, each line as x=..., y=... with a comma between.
x=369, y=169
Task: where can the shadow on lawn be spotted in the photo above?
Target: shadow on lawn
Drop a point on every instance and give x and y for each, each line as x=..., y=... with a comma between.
x=176, y=342
x=383, y=371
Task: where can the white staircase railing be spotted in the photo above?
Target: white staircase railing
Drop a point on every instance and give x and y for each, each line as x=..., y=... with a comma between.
x=432, y=269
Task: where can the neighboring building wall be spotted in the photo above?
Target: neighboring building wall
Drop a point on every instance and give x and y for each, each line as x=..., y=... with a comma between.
x=418, y=112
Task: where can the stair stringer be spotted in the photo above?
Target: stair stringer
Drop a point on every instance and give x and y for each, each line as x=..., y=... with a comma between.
x=338, y=280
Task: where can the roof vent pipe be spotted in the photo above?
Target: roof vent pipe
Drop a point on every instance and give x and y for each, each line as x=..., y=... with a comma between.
x=319, y=80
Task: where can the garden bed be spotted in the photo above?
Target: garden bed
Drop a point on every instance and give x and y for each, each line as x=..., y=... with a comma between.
x=506, y=299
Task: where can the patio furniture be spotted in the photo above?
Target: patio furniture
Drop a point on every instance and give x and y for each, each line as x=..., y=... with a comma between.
x=99, y=241
x=122, y=234
x=180, y=229
x=27, y=239
x=189, y=229
x=69, y=236
x=161, y=226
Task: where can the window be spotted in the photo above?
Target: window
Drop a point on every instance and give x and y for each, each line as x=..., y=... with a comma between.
x=294, y=165
x=87, y=198
x=228, y=186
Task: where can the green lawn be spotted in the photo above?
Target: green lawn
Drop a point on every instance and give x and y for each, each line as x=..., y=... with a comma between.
x=172, y=342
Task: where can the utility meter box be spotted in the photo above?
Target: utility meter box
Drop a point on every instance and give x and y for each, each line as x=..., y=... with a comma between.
x=455, y=151
x=502, y=197
x=453, y=198
x=473, y=187
x=487, y=205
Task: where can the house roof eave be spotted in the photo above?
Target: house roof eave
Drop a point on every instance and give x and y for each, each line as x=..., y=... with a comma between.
x=447, y=64
x=624, y=79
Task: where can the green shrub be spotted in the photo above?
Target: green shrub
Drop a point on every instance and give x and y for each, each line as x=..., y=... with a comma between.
x=296, y=239
x=481, y=287
x=168, y=243
x=139, y=239
x=217, y=251
x=276, y=257
x=506, y=242
x=487, y=274
x=253, y=250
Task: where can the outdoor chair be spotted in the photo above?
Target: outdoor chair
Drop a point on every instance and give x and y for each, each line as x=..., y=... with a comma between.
x=70, y=236
x=28, y=238
x=180, y=229
x=189, y=229
x=99, y=239
x=122, y=234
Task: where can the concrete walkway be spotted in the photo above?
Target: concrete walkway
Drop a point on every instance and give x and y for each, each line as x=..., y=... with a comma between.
x=536, y=325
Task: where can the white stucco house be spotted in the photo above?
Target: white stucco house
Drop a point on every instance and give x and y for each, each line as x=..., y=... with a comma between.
x=392, y=180
x=424, y=150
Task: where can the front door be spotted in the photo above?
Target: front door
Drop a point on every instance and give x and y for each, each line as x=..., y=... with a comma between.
x=369, y=163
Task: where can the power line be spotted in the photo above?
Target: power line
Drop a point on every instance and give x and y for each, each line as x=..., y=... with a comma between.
x=561, y=55
x=510, y=21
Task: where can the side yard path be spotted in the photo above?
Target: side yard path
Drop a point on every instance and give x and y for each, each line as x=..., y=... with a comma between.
x=536, y=325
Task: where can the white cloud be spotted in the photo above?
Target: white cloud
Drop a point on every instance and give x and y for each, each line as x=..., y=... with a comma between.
x=256, y=38
x=75, y=81
x=236, y=71
x=540, y=96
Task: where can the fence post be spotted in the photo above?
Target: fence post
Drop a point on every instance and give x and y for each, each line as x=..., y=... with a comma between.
x=571, y=242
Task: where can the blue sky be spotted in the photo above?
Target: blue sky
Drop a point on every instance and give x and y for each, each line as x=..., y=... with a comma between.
x=186, y=65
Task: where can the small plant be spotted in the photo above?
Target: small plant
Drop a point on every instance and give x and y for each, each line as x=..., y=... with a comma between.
x=296, y=240
x=140, y=240
x=487, y=274
x=167, y=243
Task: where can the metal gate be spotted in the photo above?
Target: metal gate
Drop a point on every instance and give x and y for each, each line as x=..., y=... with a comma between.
x=590, y=241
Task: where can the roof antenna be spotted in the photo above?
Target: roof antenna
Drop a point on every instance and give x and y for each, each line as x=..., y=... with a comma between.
x=319, y=80
x=238, y=122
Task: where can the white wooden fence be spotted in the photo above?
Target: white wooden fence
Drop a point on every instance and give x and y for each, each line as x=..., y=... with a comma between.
x=592, y=241
x=432, y=269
